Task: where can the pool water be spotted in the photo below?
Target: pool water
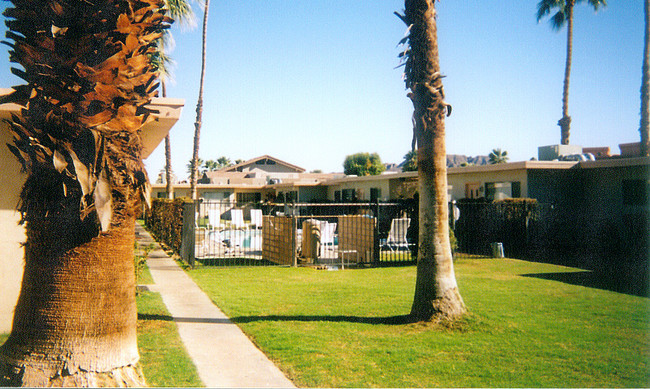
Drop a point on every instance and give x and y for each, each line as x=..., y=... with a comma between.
x=249, y=239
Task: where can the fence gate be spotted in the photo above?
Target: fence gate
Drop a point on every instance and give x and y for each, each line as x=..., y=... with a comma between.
x=188, y=240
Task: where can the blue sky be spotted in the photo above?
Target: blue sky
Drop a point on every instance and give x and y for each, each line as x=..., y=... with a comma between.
x=312, y=81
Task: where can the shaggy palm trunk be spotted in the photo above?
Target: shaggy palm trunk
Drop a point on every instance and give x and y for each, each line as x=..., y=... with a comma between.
x=565, y=122
x=645, y=85
x=436, y=292
x=168, y=156
x=89, y=79
x=75, y=321
x=199, y=106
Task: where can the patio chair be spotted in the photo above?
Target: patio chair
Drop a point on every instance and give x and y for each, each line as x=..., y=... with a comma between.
x=213, y=243
x=256, y=218
x=237, y=218
x=327, y=233
x=397, y=235
x=214, y=219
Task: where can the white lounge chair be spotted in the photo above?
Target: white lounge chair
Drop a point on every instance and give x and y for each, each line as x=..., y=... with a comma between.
x=327, y=233
x=214, y=218
x=256, y=218
x=237, y=218
x=397, y=235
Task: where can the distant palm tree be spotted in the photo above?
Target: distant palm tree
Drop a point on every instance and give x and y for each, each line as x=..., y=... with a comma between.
x=564, y=16
x=436, y=291
x=410, y=161
x=644, y=128
x=199, y=164
x=210, y=165
x=181, y=12
x=498, y=156
x=223, y=162
x=199, y=104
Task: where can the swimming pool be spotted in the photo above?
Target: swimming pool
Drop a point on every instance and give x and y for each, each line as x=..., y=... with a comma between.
x=225, y=241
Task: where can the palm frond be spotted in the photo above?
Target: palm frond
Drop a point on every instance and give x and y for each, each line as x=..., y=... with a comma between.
x=89, y=79
x=182, y=13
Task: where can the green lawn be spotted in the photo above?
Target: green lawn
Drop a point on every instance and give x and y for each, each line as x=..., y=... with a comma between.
x=163, y=357
x=530, y=326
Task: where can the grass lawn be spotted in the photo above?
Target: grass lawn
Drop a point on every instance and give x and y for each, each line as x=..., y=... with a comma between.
x=145, y=278
x=163, y=357
x=531, y=325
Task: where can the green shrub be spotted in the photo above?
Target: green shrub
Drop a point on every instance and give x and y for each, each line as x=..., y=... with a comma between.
x=165, y=221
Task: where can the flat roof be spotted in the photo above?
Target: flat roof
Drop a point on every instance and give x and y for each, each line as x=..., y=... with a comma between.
x=167, y=111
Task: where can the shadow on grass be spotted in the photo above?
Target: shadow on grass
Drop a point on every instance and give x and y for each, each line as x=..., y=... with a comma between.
x=595, y=280
x=390, y=320
x=147, y=316
x=397, y=320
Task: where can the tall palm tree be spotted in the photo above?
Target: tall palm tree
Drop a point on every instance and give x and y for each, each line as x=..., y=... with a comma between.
x=180, y=11
x=498, y=156
x=88, y=81
x=436, y=291
x=564, y=15
x=410, y=161
x=199, y=105
x=644, y=128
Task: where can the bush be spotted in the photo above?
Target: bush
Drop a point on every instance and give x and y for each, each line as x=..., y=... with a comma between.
x=165, y=221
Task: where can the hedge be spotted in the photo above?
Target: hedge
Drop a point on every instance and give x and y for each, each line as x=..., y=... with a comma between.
x=165, y=221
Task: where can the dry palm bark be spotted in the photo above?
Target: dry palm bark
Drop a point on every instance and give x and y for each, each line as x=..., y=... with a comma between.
x=88, y=73
x=644, y=127
x=436, y=292
x=194, y=173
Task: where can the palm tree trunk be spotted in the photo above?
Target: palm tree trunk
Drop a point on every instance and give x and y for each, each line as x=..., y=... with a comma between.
x=199, y=107
x=79, y=140
x=645, y=85
x=565, y=122
x=75, y=320
x=168, y=155
x=436, y=291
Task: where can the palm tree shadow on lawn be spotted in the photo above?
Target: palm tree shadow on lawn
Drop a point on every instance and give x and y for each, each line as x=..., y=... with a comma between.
x=390, y=320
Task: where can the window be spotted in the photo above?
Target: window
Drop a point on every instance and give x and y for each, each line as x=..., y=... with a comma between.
x=490, y=190
x=292, y=196
x=348, y=195
x=162, y=195
x=515, y=189
x=249, y=197
x=375, y=194
x=337, y=196
x=472, y=190
x=635, y=192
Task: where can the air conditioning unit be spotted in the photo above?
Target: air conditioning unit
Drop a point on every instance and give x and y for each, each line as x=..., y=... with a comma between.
x=554, y=152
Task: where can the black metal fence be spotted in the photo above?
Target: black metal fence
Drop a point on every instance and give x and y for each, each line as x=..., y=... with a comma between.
x=386, y=234
x=325, y=234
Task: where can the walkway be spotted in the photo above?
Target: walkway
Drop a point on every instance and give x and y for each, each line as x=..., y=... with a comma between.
x=223, y=355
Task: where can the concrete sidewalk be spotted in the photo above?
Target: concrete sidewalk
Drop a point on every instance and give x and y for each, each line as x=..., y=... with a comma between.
x=223, y=355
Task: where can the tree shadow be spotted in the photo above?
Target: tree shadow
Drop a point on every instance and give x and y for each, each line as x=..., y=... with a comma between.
x=595, y=280
x=148, y=316
x=389, y=320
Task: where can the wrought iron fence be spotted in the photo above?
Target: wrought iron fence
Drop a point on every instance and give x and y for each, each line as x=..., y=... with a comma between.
x=324, y=234
x=386, y=234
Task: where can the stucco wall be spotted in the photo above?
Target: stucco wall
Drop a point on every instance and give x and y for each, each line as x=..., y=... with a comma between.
x=457, y=179
x=11, y=234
